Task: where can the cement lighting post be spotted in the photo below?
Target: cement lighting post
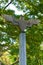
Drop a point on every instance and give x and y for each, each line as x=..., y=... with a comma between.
x=22, y=37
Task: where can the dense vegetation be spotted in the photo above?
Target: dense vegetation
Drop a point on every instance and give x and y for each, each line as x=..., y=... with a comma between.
x=9, y=34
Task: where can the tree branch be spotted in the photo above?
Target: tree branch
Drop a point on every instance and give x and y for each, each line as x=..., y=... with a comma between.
x=8, y=4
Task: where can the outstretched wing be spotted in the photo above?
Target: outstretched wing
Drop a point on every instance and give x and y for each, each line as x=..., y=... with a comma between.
x=10, y=18
x=32, y=22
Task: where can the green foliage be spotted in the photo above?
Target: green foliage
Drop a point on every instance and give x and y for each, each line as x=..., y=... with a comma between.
x=30, y=7
x=34, y=39
x=6, y=0
x=9, y=12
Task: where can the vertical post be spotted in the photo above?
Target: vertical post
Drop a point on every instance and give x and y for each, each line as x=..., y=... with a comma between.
x=22, y=49
x=0, y=62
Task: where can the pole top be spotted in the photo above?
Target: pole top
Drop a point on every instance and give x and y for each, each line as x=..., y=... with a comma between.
x=21, y=22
